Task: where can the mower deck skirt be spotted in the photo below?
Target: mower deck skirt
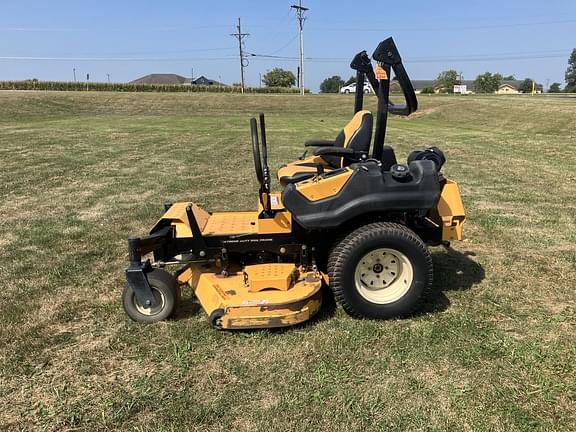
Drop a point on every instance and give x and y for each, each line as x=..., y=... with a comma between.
x=236, y=307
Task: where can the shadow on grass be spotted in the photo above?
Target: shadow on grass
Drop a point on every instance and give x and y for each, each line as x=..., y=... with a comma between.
x=453, y=271
x=187, y=307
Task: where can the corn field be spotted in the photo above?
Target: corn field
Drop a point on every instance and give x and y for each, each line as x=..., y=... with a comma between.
x=126, y=87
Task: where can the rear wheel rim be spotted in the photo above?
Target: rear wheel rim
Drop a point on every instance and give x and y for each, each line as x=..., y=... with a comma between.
x=383, y=276
x=151, y=311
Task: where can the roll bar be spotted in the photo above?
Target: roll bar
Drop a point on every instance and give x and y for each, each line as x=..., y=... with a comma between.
x=386, y=54
x=388, y=59
x=363, y=67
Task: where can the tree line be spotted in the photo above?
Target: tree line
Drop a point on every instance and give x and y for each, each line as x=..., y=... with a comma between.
x=487, y=82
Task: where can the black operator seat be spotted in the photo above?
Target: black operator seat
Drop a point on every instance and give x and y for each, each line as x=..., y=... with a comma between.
x=356, y=135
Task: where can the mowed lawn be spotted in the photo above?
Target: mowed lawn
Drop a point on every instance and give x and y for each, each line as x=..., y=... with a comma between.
x=493, y=349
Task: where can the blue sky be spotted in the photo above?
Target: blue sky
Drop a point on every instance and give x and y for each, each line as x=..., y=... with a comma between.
x=128, y=39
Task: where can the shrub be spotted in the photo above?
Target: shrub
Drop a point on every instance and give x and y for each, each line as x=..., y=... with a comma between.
x=428, y=90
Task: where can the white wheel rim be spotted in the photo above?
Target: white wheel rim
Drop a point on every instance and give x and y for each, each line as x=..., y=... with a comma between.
x=151, y=311
x=383, y=276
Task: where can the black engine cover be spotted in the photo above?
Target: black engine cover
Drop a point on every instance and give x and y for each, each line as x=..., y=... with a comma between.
x=369, y=190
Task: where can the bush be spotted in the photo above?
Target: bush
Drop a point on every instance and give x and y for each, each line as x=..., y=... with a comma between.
x=428, y=90
x=331, y=85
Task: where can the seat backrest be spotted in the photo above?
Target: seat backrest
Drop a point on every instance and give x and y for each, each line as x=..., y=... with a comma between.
x=356, y=135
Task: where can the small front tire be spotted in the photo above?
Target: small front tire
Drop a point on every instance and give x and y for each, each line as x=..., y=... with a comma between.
x=165, y=290
x=380, y=270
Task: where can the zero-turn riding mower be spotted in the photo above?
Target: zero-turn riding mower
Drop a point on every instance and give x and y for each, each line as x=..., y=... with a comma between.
x=357, y=222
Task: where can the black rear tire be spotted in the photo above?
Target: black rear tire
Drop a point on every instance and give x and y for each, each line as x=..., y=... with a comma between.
x=165, y=290
x=409, y=276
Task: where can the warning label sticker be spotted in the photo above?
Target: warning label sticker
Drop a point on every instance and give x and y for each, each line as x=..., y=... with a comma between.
x=380, y=73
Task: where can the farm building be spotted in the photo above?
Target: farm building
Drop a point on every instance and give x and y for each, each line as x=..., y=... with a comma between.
x=513, y=87
x=174, y=79
x=507, y=88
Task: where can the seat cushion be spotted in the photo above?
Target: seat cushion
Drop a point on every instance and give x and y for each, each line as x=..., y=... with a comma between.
x=356, y=135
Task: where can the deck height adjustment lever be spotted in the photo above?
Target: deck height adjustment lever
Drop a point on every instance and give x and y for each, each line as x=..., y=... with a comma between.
x=224, y=262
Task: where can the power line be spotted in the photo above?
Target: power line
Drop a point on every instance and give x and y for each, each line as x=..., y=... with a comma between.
x=240, y=36
x=255, y=56
x=436, y=59
x=445, y=28
x=377, y=27
x=285, y=45
x=120, y=59
x=300, y=10
x=105, y=29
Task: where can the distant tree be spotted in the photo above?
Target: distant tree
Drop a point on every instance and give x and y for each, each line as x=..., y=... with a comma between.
x=446, y=80
x=427, y=90
x=279, y=77
x=571, y=73
x=526, y=86
x=487, y=82
x=351, y=80
x=331, y=85
x=509, y=78
x=554, y=88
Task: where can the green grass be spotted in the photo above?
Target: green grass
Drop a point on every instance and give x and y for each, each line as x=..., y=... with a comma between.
x=494, y=348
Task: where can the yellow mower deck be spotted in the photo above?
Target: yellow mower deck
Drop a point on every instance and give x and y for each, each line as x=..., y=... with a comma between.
x=260, y=296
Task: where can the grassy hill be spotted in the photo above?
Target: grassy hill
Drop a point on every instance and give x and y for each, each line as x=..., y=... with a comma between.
x=493, y=349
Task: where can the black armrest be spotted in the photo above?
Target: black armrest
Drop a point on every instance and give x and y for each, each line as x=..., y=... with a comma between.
x=346, y=153
x=319, y=143
x=333, y=151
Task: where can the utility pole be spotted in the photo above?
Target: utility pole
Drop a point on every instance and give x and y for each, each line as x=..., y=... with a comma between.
x=74, y=71
x=243, y=62
x=191, y=80
x=108, y=75
x=300, y=10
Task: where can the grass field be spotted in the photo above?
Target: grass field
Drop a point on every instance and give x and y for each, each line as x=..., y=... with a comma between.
x=494, y=348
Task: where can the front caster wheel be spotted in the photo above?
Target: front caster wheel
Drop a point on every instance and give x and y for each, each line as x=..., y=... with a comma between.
x=165, y=290
x=380, y=271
